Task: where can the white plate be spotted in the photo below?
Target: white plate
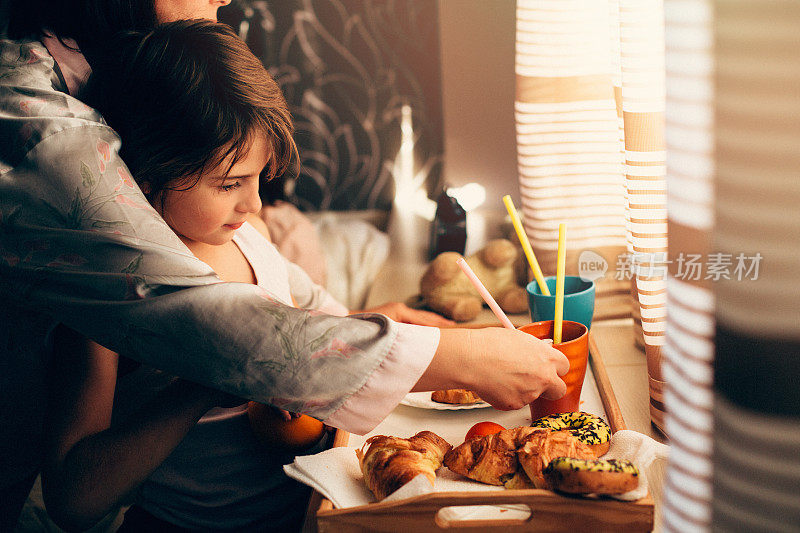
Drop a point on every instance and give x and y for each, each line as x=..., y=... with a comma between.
x=423, y=401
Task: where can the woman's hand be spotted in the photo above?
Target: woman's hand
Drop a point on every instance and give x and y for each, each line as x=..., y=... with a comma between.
x=400, y=312
x=507, y=368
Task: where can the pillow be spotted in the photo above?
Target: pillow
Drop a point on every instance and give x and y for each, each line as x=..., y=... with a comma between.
x=341, y=250
x=355, y=251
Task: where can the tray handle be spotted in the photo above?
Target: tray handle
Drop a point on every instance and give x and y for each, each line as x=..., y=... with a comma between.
x=549, y=512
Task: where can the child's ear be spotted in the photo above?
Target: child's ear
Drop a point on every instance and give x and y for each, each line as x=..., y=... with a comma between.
x=145, y=187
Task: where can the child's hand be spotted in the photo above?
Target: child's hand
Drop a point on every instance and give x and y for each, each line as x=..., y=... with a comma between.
x=284, y=414
x=400, y=312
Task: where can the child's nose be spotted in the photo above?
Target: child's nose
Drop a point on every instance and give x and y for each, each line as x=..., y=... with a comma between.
x=251, y=201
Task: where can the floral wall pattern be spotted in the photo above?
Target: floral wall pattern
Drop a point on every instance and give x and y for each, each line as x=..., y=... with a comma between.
x=347, y=68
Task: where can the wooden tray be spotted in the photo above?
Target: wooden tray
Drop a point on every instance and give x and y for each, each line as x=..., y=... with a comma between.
x=550, y=512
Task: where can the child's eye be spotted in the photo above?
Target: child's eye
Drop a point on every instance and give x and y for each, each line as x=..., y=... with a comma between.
x=229, y=187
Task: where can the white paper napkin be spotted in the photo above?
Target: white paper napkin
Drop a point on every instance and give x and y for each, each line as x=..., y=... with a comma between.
x=645, y=453
x=333, y=473
x=336, y=475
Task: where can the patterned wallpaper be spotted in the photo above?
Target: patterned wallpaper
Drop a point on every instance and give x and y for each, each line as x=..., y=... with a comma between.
x=347, y=67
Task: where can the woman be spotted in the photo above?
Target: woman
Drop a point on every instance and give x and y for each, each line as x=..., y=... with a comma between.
x=81, y=246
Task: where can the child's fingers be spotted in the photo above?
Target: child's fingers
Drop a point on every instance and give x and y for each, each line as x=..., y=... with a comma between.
x=403, y=313
x=400, y=312
x=426, y=318
x=283, y=413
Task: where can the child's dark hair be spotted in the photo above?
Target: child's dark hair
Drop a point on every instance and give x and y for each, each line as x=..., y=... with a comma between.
x=90, y=22
x=185, y=96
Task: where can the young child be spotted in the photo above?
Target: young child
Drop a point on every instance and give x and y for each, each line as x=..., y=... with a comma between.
x=212, y=475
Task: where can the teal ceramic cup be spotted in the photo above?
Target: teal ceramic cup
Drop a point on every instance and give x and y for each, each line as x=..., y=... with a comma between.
x=578, y=300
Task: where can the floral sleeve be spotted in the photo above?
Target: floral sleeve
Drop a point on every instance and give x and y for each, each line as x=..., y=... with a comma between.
x=79, y=242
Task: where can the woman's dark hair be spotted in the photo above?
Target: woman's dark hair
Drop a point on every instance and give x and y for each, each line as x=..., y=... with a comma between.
x=90, y=22
x=183, y=98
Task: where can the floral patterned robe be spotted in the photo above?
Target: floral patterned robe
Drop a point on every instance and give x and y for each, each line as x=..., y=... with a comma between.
x=80, y=245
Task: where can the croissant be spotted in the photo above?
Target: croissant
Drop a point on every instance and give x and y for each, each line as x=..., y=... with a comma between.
x=459, y=396
x=391, y=462
x=492, y=459
x=542, y=447
x=519, y=480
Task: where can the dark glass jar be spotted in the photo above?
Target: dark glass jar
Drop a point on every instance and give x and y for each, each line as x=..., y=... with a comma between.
x=449, y=227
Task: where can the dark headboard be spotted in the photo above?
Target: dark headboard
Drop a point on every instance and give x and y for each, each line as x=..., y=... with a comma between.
x=347, y=67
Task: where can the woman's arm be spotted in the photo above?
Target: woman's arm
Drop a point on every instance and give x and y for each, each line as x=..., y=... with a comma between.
x=130, y=283
x=507, y=368
x=89, y=466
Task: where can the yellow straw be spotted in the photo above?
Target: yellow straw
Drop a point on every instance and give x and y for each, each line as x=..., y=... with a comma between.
x=560, y=264
x=526, y=245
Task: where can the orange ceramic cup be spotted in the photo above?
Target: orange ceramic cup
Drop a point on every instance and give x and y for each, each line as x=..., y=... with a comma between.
x=575, y=346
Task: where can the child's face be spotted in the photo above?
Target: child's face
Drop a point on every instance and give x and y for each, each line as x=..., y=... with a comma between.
x=172, y=10
x=213, y=209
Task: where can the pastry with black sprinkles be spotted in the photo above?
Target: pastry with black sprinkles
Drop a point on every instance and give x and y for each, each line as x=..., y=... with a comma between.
x=580, y=476
x=588, y=428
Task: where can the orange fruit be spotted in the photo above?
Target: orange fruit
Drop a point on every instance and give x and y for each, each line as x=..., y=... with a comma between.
x=483, y=428
x=273, y=431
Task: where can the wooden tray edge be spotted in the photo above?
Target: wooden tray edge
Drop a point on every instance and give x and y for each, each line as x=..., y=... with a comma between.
x=550, y=512
x=604, y=388
x=489, y=497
